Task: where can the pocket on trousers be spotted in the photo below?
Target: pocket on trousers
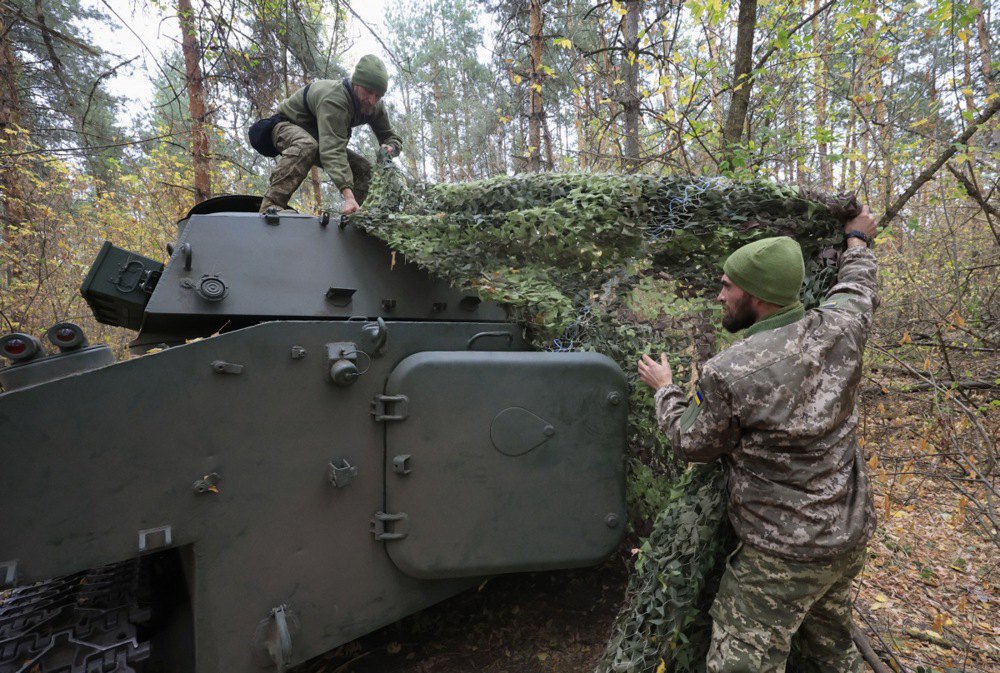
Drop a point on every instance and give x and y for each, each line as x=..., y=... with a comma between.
x=737, y=648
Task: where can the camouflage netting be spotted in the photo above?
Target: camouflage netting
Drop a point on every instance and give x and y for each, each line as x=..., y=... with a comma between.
x=579, y=259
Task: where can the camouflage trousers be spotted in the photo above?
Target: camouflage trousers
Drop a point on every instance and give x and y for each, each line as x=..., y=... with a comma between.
x=299, y=153
x=764, y=602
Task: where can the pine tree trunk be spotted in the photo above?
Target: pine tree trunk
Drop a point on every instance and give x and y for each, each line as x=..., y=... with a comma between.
x=671, y=132
x=822, y=47
x=631, y=100
x=13, y=141
x=732, y=133
x=196, y=102
x=536, y=111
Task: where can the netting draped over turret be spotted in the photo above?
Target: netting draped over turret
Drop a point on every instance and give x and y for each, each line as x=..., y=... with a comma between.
x=579, y=259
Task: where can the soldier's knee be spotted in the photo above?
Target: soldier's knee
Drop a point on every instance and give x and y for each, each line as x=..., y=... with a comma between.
x=307, y=148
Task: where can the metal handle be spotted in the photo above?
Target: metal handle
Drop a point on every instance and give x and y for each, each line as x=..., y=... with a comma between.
x=186, y=251
x=484, y=335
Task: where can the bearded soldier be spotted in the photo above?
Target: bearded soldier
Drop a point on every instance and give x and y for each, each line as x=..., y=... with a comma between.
x=779, y=407
x=313, y=127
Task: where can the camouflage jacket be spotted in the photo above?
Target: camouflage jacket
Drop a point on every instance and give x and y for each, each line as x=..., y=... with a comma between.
x=329, y=115
x=779, y=406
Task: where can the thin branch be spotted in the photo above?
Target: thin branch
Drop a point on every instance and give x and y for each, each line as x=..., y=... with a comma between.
x=929, y=172
x=371, y=30
x=55, y=33
x=763, y=59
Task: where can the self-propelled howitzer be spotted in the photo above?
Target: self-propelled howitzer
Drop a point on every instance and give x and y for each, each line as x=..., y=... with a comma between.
x=317, y=439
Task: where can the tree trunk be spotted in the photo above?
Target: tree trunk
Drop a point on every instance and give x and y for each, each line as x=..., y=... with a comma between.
x=732, y=134
x=630, y=99
x=983, y=33
x=13, y=212
x=316, y=187
x=986, y=66
x=822, y=48
x=196, y=102
x=536, y=111
x=671, y=133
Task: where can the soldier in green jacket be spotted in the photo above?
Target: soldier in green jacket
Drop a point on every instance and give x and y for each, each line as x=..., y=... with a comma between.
x=319, y=119
x=778, y=406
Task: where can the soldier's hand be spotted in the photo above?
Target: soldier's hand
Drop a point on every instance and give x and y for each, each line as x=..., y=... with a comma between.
x=655, y=374
x=390, y=150
x=864, y=222
x=350, y=206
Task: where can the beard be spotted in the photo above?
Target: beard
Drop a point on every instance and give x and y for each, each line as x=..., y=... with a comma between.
x=366, y=109
x=740, y=316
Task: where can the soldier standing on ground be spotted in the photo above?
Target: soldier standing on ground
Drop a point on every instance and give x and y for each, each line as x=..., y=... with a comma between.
x=313, y=129
x=779, y=407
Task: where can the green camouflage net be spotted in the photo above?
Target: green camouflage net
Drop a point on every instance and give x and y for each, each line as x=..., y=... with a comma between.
x=621, y=265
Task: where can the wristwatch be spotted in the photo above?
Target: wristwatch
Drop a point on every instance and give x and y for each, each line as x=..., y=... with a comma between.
x=859, y=234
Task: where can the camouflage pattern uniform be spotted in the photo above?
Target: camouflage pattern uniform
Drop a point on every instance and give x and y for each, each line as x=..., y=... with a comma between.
x=316, y=134
x=779, y=407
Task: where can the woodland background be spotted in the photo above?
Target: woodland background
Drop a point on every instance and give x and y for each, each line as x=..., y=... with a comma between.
x=893, y=100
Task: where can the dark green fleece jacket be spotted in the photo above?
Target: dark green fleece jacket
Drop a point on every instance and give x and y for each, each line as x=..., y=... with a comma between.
x=333, y=116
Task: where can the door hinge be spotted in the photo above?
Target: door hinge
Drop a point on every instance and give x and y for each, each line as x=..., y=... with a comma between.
x=379, y=522
x=390, y=407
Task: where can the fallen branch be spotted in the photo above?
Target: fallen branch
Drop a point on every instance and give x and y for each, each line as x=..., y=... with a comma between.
x=928, y=636
x=950, y=385
x=868, y=652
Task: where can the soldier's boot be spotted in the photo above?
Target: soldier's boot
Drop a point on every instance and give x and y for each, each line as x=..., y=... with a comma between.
x=361, y=169
x=299, y=153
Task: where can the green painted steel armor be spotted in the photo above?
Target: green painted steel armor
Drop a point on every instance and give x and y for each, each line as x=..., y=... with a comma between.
x=318, y=439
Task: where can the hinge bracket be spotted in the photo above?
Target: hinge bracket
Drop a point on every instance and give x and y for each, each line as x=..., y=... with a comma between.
x=390, y=407
x=379, y=522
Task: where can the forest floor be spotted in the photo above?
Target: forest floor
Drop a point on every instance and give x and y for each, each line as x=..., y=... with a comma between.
x=928, y=599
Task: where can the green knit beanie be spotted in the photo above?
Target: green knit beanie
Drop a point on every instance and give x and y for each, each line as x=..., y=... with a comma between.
x=371, y=74
x=770, y=269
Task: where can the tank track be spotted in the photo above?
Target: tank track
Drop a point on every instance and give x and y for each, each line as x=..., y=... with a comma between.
x=87, y=622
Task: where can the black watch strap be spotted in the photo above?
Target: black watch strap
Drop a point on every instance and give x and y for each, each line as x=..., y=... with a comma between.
x=858, y=234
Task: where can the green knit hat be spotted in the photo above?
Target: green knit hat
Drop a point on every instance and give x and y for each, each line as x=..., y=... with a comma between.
x=770, y=269
x=371, y=74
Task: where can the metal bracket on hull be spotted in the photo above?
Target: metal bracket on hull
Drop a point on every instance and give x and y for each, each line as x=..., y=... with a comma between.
x=378, y=525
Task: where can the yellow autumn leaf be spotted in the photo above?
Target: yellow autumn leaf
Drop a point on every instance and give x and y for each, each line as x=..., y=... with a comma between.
x=873, y=462
x=662, y=668
x=906, y=338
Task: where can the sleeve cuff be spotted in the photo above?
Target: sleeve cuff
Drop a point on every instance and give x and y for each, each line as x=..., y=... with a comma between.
x=667, y=391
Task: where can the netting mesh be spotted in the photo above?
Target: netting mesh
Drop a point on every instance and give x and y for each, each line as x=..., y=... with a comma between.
x=577, y=259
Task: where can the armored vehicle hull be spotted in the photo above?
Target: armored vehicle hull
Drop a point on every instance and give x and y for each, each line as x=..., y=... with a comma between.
x=319, y=440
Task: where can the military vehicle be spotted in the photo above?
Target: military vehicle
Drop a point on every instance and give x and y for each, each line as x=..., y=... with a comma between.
x=315, y=439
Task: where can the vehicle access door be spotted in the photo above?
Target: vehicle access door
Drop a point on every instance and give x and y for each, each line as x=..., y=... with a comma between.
x=502, y=462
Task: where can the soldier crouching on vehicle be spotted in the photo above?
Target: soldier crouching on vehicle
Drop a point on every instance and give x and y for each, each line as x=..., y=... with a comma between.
x=779, y=407
x=313, y=127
